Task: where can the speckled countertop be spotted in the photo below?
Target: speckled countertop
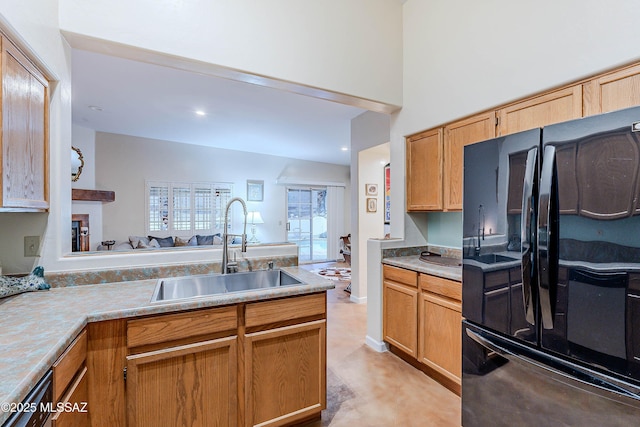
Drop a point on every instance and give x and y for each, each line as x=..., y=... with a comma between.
x=413, y=262
x=38, y=326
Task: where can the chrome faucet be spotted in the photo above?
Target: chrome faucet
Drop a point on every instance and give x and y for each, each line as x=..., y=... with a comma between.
x=480, y=229
x=226, y=265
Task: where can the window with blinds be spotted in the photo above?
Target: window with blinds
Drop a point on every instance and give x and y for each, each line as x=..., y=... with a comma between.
x=186, y=208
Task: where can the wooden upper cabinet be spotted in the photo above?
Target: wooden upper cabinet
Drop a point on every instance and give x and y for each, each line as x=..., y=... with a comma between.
x=456, y=136
x=553, y=107
x=424, y=171
x=25, y=136
x=613, y=91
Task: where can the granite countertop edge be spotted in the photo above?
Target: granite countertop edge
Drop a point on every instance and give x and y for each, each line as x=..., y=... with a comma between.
x=413, y=262
x=38, y=326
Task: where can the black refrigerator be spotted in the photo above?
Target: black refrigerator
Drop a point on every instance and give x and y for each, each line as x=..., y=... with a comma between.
x=551, y=276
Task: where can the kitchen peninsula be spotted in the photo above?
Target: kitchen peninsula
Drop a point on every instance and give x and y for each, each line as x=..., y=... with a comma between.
x=128, y=338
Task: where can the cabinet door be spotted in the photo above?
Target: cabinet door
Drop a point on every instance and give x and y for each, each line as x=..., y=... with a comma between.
x=24, y=132
x=190, y=385
x=285, y=374
x=612, y=91
x=76, y=408
x=424, y=171
x=554, y=107
x=456, y=136
x=69, y=364
x=441, y=335
x=400, y=317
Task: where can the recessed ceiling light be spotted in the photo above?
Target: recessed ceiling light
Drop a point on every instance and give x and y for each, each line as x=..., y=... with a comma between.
x=95, y=108
x=344, y=149
x=200, y=113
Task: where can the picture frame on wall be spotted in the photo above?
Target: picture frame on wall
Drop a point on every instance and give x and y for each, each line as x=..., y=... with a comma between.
x=372, y=204
x=387, y=193
x=371, y=189
x=255, y=190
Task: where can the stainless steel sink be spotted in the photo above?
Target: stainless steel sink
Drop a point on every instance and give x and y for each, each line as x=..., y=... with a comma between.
x=211, y=284
x=492, y=258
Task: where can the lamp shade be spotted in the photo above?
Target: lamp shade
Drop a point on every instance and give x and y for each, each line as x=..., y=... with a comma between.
x=254, y=217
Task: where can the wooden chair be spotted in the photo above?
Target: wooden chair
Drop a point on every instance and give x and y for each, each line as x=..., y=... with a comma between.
x=345, y=250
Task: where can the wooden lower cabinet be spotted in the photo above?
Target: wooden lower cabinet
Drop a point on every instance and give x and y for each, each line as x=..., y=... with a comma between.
x=75, y=412
x=400, y=312
x=400, y=308
x=261, y=363
x=440, y=338
x=189, y=385
x=70, y=386
x=285, y=377
x=422, y=321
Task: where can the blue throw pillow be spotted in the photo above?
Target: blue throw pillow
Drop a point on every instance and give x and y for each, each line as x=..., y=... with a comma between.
x=206, y=240
x=164, y=242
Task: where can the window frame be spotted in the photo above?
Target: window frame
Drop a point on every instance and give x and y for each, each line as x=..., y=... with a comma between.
x=192, y=208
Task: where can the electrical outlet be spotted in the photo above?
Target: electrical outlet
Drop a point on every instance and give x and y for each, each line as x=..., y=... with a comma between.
x=31, y=246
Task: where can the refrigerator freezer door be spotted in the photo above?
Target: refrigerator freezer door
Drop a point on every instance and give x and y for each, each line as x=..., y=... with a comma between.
x=591, y=313
x=509, y=384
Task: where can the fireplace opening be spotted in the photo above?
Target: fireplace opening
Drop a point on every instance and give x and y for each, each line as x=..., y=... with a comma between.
x=79, y=232
x=75, y=236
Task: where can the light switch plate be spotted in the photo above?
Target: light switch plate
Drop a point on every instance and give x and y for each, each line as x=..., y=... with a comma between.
x=31, y=246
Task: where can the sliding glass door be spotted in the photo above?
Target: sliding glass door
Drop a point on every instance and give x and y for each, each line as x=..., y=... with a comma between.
x=307, y=222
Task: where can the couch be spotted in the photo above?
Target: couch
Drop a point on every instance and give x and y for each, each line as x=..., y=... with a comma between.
x=154, y=242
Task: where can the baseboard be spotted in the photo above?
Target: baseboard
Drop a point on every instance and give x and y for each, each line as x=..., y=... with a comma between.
x=361, y=300
x=379, y=346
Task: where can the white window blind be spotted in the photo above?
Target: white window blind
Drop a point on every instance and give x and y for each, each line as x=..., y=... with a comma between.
x=186, y=208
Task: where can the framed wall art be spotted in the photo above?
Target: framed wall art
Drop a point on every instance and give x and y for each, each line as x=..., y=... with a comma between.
x=387, y=193
x=372, y=204
x=371, y=189
x=255, y=190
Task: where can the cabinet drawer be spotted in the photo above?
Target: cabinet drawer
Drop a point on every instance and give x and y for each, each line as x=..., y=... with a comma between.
x=65, y=368
x=440, y=286
x=400, y=275
x=282, y=310
x=170, y=327
x=75, y=410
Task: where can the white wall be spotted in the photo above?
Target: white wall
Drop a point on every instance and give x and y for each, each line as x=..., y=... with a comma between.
x=123, y=163
x=371, y=224
x=352, y=47
x=85, y=140
x=462, y=57
x=367, y=130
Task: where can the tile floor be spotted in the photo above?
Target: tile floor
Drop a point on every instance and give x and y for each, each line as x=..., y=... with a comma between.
x=370, y=389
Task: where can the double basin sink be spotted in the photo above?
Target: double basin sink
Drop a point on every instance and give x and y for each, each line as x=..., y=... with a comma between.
x=211, y=284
